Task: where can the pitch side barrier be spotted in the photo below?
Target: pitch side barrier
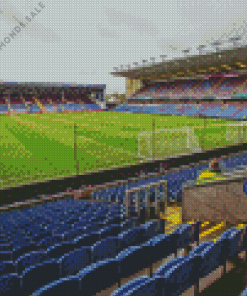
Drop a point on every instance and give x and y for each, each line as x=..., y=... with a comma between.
x=88, y=192
x=70, y=184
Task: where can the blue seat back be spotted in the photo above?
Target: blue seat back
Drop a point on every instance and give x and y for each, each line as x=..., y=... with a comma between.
x=6, y=267
x=131, y=260
x=235, y=243
x=151, y=229
x=29, y=259
x=129, y=286
x=86, y=240
x=106, y=248
x=74, y=261
x=106, y=271
x=161, y=246
x=211, y=258
x=10, y=285
x=185, y=235
x=34, y=277
x=133, y=237
x=60, y=249
x=61, y=287
x=151, y=286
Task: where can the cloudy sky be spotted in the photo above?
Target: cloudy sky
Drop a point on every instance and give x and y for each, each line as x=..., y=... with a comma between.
x=81, y=41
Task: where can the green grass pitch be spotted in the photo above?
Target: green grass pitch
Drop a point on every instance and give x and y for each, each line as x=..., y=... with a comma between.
x=36, y=147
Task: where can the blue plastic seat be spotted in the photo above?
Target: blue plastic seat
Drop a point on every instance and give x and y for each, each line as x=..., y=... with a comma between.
x=160, y=247
x=61, y=287
x=128, y=224
x=235, y=243
x=134, y=236
x=132, y=260
x=211, y=257
x=151, y=229
x=185, y=235
x=182, y=272
x=6, y=267
x=10, y=285
x=86, y=240
x=29, y=259
x=34, y=277
x=22, y=249
x=74, y=261
x=151, y=286
x=60, y=249
x=106, y=248
x=99, y=276
x=129, y=286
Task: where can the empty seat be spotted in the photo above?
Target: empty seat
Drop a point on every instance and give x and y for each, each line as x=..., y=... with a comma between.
x=185, y=235
x=235, y=243
x=211, y=255
x=106, y=248
x=99, y=276
x=86, y=240
x=149, y=287
x=132, y=260
x=151, y=229
x=128, y=224
x=60, y=249
x=129, y=286
x=10, y=285
x=6, y=267
x=133, y=236
x=182, y=271
x=74, y=261
x=44, y=243
x=62, y=287
x=160, y=247
x=34, y=277
x=29, y=259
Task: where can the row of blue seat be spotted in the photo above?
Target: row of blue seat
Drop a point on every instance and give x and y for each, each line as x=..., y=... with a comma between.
x=74, y=261
x=175, y=276
x=126, y=262
x=181, y=273
x=20, y=257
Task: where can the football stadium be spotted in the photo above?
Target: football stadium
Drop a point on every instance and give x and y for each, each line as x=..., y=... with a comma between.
x=147, y=198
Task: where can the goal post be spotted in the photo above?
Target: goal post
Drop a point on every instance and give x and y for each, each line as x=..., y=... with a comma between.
x=236, y=132
x=165, y=142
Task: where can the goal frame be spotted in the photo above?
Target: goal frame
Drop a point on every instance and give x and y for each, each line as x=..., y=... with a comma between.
x=148, y=133
x=241, y=133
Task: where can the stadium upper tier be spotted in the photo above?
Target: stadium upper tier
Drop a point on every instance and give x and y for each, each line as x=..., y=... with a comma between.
x=220, y=86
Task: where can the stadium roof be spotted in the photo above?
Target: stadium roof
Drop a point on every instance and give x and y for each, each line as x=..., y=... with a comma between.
x=52, y=84
x=223, y=61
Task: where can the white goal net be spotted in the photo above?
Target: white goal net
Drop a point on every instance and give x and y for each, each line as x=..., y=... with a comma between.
x=237, y=132
x=167, y=142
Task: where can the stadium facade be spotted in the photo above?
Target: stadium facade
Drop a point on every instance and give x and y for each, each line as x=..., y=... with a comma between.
x=212, y=77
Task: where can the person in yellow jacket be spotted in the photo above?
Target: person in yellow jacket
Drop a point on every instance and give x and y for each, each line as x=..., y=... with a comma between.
x=213, y=174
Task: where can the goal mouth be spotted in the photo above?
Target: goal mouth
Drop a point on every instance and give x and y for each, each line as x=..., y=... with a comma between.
x=236, y=132
x=167, y=142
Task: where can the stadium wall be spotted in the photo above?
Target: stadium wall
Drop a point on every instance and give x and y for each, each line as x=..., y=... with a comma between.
x=216, y=201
